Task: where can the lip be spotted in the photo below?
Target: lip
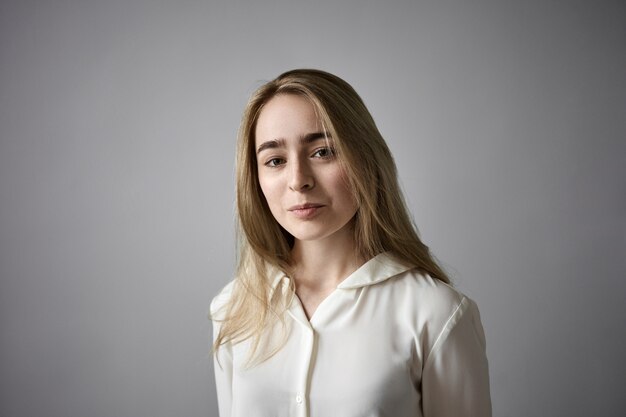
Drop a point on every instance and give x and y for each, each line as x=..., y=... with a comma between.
x=305, y=211
x=304, y=206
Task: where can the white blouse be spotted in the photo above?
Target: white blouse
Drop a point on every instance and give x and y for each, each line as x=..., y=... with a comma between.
x=389, y=341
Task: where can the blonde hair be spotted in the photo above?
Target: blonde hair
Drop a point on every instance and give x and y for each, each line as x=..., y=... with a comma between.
x=382, y=222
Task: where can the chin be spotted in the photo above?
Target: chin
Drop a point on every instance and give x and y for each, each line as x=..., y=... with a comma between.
x=312, y=234
x=309, y=237
x=308, y=233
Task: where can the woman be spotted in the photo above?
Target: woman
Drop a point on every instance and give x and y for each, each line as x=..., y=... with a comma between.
x=337, y=308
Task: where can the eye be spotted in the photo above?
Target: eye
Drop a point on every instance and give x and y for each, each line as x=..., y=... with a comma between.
x=274, y=162
x=325, y=152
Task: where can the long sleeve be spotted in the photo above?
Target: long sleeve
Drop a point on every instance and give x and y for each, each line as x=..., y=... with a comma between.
x=223, y=362
x=455, y=379
x=223, y=367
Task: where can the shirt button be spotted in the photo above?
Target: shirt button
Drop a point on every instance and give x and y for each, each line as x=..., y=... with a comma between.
x=299, y=399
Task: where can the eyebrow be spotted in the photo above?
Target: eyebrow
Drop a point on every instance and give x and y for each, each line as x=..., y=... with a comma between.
x=306, y=139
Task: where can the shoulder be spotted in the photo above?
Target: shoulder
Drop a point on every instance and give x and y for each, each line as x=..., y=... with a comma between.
x=219, y=304
x=412, y=296
x=427, y=296
x=433, y=307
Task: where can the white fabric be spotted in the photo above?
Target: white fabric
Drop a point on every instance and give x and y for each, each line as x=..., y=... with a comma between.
x=388, y=341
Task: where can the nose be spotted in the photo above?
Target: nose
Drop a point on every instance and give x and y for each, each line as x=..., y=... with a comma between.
x=300, y=176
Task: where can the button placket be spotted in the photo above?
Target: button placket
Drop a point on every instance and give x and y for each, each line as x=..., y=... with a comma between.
x=303, y=388
x=307, y=338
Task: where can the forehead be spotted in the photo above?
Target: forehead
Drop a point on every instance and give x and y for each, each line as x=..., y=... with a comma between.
x=286, y=115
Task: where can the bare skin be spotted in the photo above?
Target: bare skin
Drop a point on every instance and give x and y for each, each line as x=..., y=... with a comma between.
x=321, y=265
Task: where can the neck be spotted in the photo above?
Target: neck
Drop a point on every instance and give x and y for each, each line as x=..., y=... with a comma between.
x=323, y=264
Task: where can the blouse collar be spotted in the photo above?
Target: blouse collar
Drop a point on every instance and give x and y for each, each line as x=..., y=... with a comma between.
x=378, y=269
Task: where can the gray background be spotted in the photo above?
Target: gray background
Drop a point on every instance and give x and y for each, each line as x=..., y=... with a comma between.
x=118, y=121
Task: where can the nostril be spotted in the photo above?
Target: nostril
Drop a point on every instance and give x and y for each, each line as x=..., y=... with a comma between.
x=301, y=179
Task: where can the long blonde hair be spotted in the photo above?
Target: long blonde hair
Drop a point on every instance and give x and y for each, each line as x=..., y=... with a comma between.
x=381, y=224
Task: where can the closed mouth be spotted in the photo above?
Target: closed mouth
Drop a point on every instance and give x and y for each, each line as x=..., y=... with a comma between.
x=305, y=206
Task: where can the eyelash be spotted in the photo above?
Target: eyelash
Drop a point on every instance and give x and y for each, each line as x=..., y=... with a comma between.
x=331, y=152
x=273, y=165
x=276, y=162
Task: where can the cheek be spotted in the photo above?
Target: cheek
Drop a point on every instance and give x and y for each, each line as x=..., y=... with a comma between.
x=342, y=189
x=268, y=188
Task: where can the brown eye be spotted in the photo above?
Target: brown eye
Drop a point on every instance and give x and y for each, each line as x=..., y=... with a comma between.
x=274, y=162
x=324, y=153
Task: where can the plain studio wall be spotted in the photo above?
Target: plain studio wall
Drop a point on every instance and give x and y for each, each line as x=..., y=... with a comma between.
x=117, y=135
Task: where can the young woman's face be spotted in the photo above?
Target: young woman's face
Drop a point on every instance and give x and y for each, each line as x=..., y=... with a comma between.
x=300, y=177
